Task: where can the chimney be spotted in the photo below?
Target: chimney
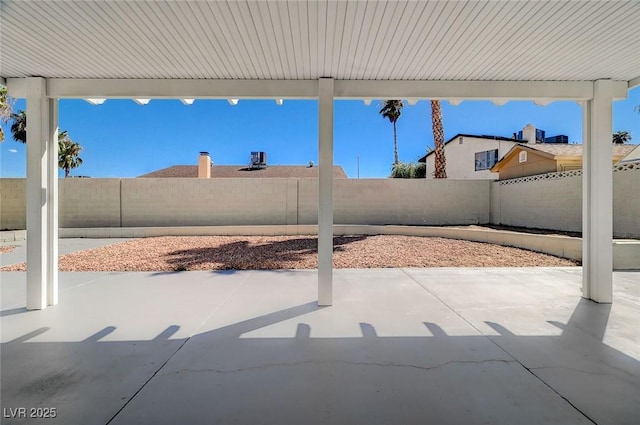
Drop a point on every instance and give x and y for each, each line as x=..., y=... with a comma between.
x=204, y=166
x=529, y=134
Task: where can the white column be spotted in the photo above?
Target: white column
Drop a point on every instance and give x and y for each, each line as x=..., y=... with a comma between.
x=325, y=192
x=38, y=237
x=52, y=204
x=597, y=195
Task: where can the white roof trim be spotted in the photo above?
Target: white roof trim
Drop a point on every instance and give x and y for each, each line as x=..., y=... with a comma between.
x=187, y=101
x=142, y=101
x=95, y=101
x=635, y=82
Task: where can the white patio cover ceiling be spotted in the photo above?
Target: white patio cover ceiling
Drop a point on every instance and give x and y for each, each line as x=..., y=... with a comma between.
x=305, y=40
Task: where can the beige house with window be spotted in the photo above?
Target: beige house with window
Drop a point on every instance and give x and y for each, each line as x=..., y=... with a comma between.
x=471, y=156
x=531, y=159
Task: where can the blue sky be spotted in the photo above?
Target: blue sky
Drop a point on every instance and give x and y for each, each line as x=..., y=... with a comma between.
x=123, y=139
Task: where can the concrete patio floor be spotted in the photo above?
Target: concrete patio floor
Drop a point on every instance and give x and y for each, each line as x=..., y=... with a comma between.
x=399, y=346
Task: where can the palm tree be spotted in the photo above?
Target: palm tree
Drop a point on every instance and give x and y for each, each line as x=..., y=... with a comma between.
x=620, y=137
x=392, y=109
x=440, y=162
x=19, y=126
x=68, y=152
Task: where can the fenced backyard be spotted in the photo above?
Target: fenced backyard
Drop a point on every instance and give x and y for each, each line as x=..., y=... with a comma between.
x=549, y=202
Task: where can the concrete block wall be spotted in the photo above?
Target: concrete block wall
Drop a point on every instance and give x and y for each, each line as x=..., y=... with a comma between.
x=543, y=204
x=13, y=204
x=200, y=202
x=111, y=203
x=557, y=204
x=89, y=203
x=411, y=202
x=308, y=201
x=626, y=203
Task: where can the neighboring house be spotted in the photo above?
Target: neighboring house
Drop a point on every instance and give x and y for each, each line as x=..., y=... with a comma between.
x=633, y=156
x=471, y=156
x=540, y=158
x=205, y=169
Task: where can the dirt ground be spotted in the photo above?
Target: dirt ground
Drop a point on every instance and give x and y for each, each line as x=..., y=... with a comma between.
x=176, y=253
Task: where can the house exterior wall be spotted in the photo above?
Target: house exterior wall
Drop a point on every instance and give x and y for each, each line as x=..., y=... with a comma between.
x=460, y=155
x=535, y=164
x=634, y=155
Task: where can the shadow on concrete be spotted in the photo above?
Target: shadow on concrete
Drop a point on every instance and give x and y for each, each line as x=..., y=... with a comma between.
x=227, y=376
x=266, y=256
x=13, y=311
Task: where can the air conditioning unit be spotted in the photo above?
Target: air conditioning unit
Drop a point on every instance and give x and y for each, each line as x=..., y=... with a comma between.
x=258, y=159
x=557, y=139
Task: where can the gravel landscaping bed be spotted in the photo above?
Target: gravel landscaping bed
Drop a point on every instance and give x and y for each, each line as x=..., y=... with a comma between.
x=5, y=249
x=176, y=253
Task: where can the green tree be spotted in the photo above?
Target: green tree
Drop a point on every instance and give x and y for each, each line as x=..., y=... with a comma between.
x=408, y=170
x=620, y=137
x=440, y=162
x=392, y=109
x=68, y=153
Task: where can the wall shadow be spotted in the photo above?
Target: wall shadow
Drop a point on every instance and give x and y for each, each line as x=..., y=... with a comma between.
x=267, y=256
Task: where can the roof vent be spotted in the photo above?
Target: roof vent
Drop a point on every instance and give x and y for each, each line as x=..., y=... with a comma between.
x=522, y=157
x=310, y=164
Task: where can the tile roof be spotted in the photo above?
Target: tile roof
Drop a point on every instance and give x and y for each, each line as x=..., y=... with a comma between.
x=562, y=149
x=239, y=171
x=557, y=151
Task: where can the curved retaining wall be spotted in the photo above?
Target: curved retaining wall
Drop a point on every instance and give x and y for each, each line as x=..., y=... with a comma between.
x=626, y=253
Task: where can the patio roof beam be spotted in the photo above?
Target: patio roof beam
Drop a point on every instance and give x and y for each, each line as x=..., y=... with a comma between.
x=308, y=89
x=173, y=88
x=479, y=90
x=634, y=82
